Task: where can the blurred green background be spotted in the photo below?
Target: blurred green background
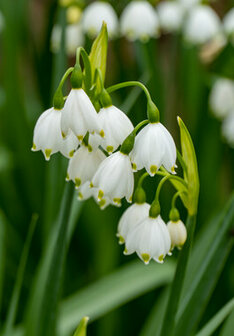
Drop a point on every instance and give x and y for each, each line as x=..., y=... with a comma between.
x=180, y=84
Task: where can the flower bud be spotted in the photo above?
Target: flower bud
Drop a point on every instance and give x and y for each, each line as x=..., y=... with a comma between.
x=178, y=233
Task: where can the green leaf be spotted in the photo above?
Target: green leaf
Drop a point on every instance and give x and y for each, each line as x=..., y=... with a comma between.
x=43, y=304
x=191, y=173
x=81, y=329
x=204, y=270
x=228, y=326
x=2, y=252
x=112, y=291
x=98, y=52
x=215, y=322
x=19, y=279
x=153, y=324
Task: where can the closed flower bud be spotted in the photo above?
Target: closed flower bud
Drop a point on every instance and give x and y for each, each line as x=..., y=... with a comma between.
x=116, y=125
x=84, y=164
x=202, y=25
x=178, y=233
x=47, y=135
x=170, y=15
x=139, y=20
x=79, y=115
x=222, y=97
x=114, y=178
x=73, y=38
x=95, y=14
x=131, y=218
x=228, y=128
x=150, y=239
x=154, y=147
x=228, y=24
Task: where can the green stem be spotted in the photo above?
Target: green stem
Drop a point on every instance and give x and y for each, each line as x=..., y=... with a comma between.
x=87, y=66
x=168, y=327
x=130, y=83
x=142, y=123
x=163, y=180
x=141, y=179
x=176, y=195
x=67, y=73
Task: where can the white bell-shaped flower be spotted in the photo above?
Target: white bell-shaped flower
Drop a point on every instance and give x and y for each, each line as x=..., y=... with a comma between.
x=222, y=97
x=139, y=20
x=47, y=135
x=95, y=14
x=130, y=219
x=85, y=192
x=228, y=24
x=187, y=4
x=149, y=239
x=84, y=164
x=154, y=147
x=74, y=38
x=202, y=25
x=228, y=128
x=114, y=178
x=116, y=126
x=178, y=233
x=170, y=15
x=79, y=115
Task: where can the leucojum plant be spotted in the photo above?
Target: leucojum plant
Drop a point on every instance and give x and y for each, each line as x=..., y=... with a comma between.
x=105, y=149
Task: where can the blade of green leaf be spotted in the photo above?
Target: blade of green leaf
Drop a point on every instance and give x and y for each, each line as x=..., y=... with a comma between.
x=203, y=278
x=178, y=281
x=81, y=329
x=215, y=322
x=228, y=326
x=19, y=279
x=2, y=252
x=153, y=324
x=112, y=291
x=41, y=321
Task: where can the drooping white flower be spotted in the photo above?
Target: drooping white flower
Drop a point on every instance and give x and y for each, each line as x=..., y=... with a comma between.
x=114, y=178
x=47, y=135
x=95, y=14
x=73, y=38
x=170, y=15
x=139, y=20
x=85, y=192
x=228, y=128
x=130, y=219
x=187, y=4
x=228, y=24
x=79, y=115
x=202, y=25
x=116, y=126
x=150, y=239
x=154, y=147
x=84, y=164
x=222, y=97
x=178, y=233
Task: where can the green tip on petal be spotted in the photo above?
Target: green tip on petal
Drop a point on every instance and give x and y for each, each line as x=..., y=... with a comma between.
x=125, y=251
x=145, y=257
x=34, y=147
x=153, y=169
x=71, y=153
x=102, y=133
x=91, y=185
x=109, y=149
x=134, y=166
x=80, y=196
x=102, y=203
x=48, y=153
x=161, y=257
x=80, y=137
x=100, y=194
x=121, y=240
x=77, y=182
x=67, y=177
x=63, y=135
x=117, y=201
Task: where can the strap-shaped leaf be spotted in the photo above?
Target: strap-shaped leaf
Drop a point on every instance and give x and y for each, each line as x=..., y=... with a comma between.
x=81, y=329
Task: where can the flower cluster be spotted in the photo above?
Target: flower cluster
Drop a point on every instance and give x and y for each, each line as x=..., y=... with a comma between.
x=139, y=20
x=222, y=105
x=104, y=151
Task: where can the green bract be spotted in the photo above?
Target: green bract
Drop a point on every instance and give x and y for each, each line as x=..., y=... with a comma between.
x=190, y=171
